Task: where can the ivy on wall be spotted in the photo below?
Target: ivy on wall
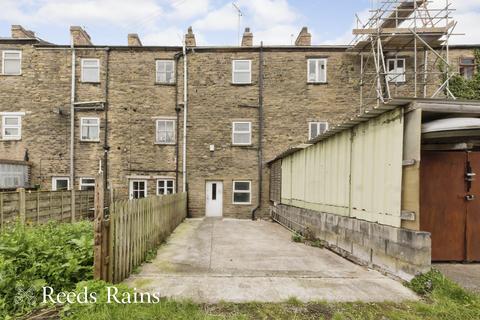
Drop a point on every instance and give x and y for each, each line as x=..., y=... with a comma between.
x=464, y=88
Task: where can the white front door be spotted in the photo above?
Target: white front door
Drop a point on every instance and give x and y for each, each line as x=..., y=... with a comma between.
x=214, y=199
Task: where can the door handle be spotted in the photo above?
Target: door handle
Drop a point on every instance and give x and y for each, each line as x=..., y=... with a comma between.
x=470, y=197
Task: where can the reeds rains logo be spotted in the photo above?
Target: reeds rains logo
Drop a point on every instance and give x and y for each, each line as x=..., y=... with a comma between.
x=85, y=296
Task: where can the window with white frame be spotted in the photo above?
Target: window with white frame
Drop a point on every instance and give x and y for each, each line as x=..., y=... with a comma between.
x=467, y=67
x=12, y=62
x=165, y=71
x=242, y=192
x=90, y=129
x=90, y=70
x=87, y=184
x=138, y=189
x=60, y=183
x=165, y=186
x=165, y=129
x=396, y=70
x=317, y=70
x=11, y=127
x=242, y=133
x=242, y=71
x=317, y=128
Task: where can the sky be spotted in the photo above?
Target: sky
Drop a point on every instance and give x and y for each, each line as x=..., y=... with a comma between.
x=214, y=22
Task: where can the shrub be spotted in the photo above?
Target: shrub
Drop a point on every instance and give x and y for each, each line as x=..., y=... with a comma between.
x=57, y=255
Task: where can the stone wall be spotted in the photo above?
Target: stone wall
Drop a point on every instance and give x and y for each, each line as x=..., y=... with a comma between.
x=400, y=252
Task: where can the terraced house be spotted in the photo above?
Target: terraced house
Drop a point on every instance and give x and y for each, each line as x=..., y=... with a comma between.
x=161, y=119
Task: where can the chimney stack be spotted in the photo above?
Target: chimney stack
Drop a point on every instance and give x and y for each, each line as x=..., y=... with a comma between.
x=18, y=32
x=304, y=38
x=190, y=38
x=134, y=40
x=80, y=37
x=247, y=39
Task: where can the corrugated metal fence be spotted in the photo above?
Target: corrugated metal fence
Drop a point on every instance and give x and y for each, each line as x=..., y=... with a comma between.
x=356, y=172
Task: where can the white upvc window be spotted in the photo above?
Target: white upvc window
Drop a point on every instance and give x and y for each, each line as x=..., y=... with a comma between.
x=165, y=71
x=242, y=133
x=90, y=129
x=11, y=127
x=12, y=62
x=242, y=71
x=165, y=186
x=396, y=70
x=60, y=183
x=316, y=128
x=138, y=189
x=317, y=70
x=87, y=183
x=91, y=70
x=242, y=191
x=165, y=131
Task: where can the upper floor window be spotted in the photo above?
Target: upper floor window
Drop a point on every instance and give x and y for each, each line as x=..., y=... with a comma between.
x=90, y=70
x=396, y=70
x=317, y=70
x=89, y=129
x=165, y=186
x=165, y=131
x=467, y=67
x=242, y=133
x=60, y=183
x=242, y=71
x=165, y=71
x=12, y=62
x=87, y=184
x=11, y=127
x=317, y=128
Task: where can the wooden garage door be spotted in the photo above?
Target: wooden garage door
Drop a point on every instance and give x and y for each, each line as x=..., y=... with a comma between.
x=450, y=208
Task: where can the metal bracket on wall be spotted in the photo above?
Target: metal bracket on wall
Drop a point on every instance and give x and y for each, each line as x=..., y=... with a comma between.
x=410, y=162
x=407, y=215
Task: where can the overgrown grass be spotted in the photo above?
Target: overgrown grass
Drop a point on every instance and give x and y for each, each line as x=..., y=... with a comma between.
x=441, y=299
x=57, y=255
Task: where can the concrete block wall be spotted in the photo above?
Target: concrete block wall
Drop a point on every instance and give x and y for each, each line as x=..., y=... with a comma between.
x=400, y=252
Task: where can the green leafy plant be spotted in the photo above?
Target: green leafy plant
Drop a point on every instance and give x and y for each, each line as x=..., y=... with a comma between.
x=468, y=89
x=297, y=237
x=55, y=255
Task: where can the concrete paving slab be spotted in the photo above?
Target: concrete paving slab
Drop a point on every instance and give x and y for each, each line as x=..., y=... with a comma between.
x=212, y=260
x=466, y=275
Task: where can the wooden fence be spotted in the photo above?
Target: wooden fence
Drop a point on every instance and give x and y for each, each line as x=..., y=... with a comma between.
x=133, y=228
x=42, y=206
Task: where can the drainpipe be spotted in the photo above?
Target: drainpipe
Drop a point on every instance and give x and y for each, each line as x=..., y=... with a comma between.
x=177, y=111
x=185, y=113
x=106, y=147
x=72, y=135
x=260, y=132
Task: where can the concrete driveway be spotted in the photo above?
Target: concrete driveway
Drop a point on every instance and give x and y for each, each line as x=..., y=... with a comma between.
x=212, y=260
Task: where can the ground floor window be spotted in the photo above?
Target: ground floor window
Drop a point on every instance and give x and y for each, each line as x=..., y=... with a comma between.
x=138, y=189
x=87, y=184
x=165, y=186
x=242, y=192
x=60, y=183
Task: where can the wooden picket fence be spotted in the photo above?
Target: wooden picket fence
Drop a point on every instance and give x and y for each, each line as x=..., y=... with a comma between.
x=130, y=229
x=34, y=207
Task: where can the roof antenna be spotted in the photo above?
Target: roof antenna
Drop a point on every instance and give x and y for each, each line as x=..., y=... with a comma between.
x=240, y=14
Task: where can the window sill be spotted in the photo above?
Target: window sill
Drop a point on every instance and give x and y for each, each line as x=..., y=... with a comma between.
x=242, y=203
x=397, y=82
x=90, y=141
x=317, y=83
x=242, y=145
x=165, y=84
x=10, y=139
x=241, y=84
x=11, y=75
x=90, y=82
x=165, y=144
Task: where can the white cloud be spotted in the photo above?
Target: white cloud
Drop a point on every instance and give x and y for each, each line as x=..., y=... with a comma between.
x=225, y=18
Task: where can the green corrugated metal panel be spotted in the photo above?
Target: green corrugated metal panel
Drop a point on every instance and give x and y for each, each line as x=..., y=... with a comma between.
x=318, y=177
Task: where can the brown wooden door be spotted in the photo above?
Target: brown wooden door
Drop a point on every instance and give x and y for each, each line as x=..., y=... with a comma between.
x=473, y=208
x=450, y=204
x=442, y=203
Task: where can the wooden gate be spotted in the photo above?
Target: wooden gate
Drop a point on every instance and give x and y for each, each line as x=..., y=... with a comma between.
x=450, y=204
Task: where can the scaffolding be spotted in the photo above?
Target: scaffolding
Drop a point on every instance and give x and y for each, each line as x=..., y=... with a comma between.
x=399, y=31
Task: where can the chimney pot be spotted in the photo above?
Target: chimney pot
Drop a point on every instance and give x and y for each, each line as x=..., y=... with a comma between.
x=79, y=36
x=190, y=38
x=304, y=38
x=134, y=40
x=247, y=39
x=18, y=32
